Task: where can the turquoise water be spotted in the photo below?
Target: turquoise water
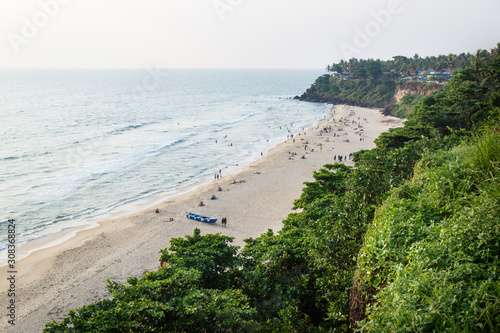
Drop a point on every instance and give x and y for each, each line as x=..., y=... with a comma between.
x=79, y=143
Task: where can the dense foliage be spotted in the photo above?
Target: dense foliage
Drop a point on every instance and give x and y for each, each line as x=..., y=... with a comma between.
x=407, y=240
x=362, y=69
x=432, y=253
x=373, y=92
x=371, y=83
x=404, y=107
x=188, y=294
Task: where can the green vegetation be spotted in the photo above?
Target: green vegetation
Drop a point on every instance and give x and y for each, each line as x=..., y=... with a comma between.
x=406, y=105
x=407, y=240
x=432, y=253
x=373, y=92
x=401, y=65
x=373, y=83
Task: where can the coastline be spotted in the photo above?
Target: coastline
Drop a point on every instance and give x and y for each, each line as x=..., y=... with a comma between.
x=26, y=248
x=56, y=279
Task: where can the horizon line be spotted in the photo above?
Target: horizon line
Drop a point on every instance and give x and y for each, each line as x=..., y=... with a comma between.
x=191, y=68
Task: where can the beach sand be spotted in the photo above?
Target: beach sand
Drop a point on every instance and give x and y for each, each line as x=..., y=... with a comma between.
x=55, y=280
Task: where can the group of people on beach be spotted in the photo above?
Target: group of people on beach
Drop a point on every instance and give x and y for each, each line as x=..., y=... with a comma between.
x=213, y=197
x=326, y=129
x=341, y=158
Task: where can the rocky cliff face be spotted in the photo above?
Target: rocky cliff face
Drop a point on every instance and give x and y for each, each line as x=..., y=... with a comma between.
x=400, y=90
x=417, y=88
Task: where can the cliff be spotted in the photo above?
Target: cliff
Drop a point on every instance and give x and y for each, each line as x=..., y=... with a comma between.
x=382, y=93
x=408, y=94
x=416, y=88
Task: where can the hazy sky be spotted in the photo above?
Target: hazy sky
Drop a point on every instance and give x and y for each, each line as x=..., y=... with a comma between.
x=238, y=33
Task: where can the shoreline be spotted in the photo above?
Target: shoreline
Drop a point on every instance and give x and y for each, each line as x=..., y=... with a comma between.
x=56, y=279
x=131, y=206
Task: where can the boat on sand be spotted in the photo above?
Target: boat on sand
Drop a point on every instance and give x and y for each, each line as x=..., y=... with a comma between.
x=201, y=218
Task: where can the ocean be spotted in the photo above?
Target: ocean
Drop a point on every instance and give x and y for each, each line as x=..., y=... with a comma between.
x=77, y=144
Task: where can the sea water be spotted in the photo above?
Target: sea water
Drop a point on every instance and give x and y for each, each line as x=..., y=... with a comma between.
x=76, y=144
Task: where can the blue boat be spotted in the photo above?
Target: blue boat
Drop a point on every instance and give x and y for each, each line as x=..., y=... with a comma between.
x=201, y=218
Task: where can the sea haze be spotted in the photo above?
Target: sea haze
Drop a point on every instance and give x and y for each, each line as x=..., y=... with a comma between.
x=76, y=144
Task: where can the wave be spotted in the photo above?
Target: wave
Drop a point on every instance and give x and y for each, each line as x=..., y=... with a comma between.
x=127, y=128
x=13, y=158
x=46, y=228
x=87, y=212
x=238, y=119
x=224, y=126
x=97, y=135
x=171, y=143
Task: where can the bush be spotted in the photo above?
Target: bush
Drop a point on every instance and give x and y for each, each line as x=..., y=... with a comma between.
x=432, y=252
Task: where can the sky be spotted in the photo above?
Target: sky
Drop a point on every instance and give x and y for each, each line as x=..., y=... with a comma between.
x=237, y=33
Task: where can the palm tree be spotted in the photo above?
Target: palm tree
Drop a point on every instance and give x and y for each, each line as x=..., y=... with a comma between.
x=478, y=60
x=343, y=65
x=441, y=64
x=413, y=65
x=399, y=62
x=451, y=59
x=496, y=52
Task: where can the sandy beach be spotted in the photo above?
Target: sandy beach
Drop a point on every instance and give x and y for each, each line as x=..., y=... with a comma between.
x=55, y=280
